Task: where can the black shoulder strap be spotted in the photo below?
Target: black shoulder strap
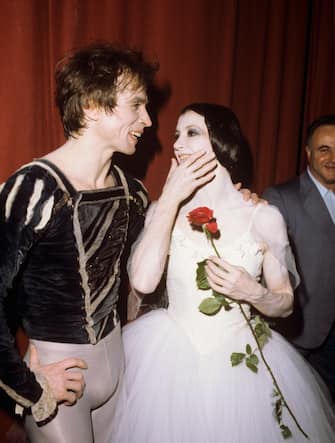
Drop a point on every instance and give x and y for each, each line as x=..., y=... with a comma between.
x=58, y=175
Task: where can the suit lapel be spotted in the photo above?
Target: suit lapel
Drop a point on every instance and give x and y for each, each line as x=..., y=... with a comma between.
x=315, y=206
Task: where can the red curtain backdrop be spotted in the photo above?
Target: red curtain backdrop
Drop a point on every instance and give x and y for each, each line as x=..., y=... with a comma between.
x=272, y=61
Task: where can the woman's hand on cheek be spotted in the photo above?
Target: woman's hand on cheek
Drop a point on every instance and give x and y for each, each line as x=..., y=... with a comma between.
x=192, y=173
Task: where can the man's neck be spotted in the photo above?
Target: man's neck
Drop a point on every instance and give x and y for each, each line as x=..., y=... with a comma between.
x=326, y=187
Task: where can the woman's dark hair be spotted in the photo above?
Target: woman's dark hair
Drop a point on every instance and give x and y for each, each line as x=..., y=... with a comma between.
x=93, y=76
x=224, y=131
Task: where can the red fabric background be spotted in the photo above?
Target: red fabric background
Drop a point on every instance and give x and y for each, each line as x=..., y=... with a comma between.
x=272, y=61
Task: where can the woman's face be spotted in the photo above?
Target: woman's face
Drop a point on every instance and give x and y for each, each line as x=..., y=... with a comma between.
x=191, y=136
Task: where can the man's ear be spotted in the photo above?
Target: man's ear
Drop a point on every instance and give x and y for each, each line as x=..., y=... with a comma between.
x=91, y=113
x=308, y=151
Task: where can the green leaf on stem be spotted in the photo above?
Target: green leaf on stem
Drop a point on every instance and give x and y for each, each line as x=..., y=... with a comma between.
x=223, y=300
x=253, y=359
x=210, y=306
x=248, y=349
x=250, y=364
x=201, y=278
x=236, y=358
x=285, y=431
x=262, y=330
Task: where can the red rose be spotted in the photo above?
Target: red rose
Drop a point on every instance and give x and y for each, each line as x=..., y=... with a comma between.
x=200, y=216
x=212, y=227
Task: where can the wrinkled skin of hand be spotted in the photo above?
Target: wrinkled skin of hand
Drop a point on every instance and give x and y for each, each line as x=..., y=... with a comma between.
x=233, y=281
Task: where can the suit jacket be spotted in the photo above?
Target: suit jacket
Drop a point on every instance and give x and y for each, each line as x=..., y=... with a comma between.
x=312, y=236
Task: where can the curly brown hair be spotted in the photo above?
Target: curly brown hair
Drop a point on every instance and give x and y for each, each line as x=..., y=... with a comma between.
x=92, y=76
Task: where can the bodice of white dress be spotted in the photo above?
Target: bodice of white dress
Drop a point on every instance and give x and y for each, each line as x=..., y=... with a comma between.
x=188, y=247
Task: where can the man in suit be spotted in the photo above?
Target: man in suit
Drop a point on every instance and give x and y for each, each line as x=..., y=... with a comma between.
x=307, y=204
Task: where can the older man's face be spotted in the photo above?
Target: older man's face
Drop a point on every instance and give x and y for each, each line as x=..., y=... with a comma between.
x=321, y=155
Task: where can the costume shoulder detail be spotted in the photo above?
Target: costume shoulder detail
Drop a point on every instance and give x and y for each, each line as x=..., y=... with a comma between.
x=29, y=196
x=138, y=194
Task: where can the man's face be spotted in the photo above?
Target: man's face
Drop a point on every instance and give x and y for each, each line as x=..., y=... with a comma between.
x=191, y=136
x=321, y=155
x=120, y=129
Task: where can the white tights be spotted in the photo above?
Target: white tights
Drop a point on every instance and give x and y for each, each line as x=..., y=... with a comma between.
x=91, y=418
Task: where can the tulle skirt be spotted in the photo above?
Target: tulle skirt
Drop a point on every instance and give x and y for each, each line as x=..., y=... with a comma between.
x=178, y=395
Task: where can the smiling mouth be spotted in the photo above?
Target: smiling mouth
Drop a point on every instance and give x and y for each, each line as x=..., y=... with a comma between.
x=330, y=168
x=135, y=135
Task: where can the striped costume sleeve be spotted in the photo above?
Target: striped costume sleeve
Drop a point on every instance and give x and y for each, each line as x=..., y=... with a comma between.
x=26, y=205
x=139, y=204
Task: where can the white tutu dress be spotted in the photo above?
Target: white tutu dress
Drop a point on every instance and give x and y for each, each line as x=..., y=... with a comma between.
x=181, y=385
